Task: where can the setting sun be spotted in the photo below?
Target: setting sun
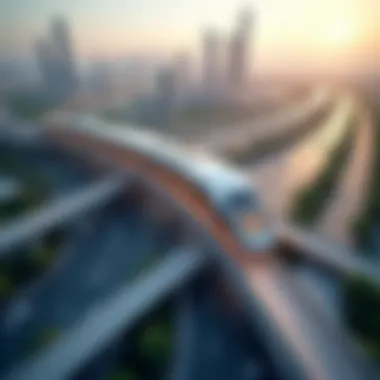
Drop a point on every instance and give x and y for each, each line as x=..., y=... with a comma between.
x=340, y=34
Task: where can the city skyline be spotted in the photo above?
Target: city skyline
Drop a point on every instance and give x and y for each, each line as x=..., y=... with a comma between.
x=340, y=32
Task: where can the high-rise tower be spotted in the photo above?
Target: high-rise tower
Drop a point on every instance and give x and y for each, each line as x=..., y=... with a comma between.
x=238, y=65
x=212, y=59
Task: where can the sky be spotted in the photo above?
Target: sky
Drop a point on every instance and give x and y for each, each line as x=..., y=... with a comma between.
x=288, y=33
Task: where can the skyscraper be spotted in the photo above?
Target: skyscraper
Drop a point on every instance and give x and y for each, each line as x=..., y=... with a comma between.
x=63, y=52
x=166, y=89
x=183, y=68
x=239, y=49
x=56, y=62
x=212, y=58
x=99, y=79
x=47, y=66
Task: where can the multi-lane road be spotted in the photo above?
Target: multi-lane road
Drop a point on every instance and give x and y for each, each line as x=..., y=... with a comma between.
x=351, y=193
x=266, y=126
x=213, y=343
x=61, y=173
x=115, y=249
x=259, y=276
x=318, y=339
x=279, y=176
x=104, y=253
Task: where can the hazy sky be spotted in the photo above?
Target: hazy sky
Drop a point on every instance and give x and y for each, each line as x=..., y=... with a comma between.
x=287, y=31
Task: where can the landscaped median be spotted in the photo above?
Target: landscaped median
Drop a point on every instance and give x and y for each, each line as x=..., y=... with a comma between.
x=310, y=201
x=34, y=187
x=147, y=350
x=20, y=268
x=258, y=149
x=367, y=226
x=361, y=310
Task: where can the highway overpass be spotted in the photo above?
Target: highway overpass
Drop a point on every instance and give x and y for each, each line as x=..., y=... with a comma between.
x=105, y=323
x=265, y=127
x=58, y=213
x=287, y=326
x=337, y=260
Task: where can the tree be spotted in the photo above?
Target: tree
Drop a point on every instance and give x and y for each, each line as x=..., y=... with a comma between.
x=362, y=311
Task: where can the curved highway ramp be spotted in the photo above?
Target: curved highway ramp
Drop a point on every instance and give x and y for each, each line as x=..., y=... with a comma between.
x=104, y=324
x=303, y=344
x=59, y=212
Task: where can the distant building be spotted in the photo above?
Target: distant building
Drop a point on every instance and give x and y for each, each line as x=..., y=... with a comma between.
x=184, y=77
x=166, y=94
x=238, y=64
x=10, y=75
x=212, y=58
x=47, y=66
x=100, y=77
x=63, y=51
x=56, y=62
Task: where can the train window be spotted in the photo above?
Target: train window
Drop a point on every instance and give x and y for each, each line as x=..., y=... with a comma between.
x=244, y=210
x=242, y=201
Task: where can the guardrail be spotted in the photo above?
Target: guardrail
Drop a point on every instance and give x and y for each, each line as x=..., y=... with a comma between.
x=95, y=333
x=286, y=360
x=59, y=212
x=106, y=322
x=338, y=260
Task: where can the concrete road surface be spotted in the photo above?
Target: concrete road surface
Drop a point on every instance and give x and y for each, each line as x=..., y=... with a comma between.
x=351, y=193
x=320, y=342
x=213, y=346
x=263, y=127
x=103, y=255
x=280, y=176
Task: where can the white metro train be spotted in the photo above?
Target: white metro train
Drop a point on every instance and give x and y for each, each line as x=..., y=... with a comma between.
x=227, y=190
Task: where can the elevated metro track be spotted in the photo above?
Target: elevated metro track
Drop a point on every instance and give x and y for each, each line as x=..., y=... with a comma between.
x=303, y=243
x=180, y=188
x=258, y=280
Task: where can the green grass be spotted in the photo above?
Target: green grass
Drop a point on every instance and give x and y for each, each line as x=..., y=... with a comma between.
x=6, y=286
x=19, y=270
x=361, y=310
x=154, y=343
x=363, y=226
x=123, y=374
x=45, y=256
x=146, y=350
x=35, y=187
x=147, y=263
x=44, y=338
x=371, y=349
x=310, y=201
x=28, y=105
